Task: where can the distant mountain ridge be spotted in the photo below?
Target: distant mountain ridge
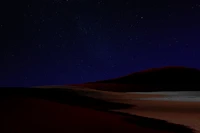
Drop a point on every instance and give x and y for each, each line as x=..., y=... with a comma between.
x=161, y=79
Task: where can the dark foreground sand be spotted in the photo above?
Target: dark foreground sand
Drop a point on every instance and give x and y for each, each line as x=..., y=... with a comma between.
x=75, y=110
x=31, y=115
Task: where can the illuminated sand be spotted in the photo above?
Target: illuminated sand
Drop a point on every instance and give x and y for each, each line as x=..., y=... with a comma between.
x=184, y=113
x=178, y=112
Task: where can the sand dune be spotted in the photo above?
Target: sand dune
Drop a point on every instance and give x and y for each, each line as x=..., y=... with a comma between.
x=113, y=87
x=30, y=115
x=178, y=112
x=104, y=106
x=185, y=113
x=157, y=79
x=73, y=110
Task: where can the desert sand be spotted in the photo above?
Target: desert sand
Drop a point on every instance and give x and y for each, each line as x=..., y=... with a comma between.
x=184, y=113
x=177, y=112
x=35, y=115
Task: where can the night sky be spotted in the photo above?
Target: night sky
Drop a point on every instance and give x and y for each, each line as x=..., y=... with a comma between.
x=57, y=42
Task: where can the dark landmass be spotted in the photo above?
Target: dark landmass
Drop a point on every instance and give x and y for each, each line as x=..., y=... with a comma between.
x=156, y=79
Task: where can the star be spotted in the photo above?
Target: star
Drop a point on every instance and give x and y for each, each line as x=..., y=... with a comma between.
x=60, y=35
x=113, y=66
x=39, y=46
x=58, y=46
x=131, y=25
x=100, y=2
x=89, y=66
x=83, y=39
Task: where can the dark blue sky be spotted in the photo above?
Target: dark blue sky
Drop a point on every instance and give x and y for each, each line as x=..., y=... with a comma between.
x=56, y=42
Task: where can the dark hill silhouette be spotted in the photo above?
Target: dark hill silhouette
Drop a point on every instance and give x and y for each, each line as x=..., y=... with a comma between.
x=160, y=79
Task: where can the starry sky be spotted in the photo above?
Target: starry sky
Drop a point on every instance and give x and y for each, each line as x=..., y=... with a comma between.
x=57, y=42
